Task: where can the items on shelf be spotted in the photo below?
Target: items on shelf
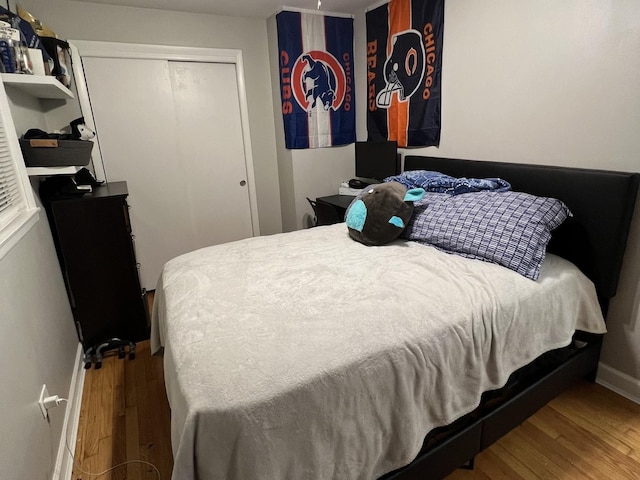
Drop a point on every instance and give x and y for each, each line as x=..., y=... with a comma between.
x=29, y=47
x=17, y=36
x=57, y=49
x=69, y=186
x=15, y=55
x=80, y=131
x=42, y=149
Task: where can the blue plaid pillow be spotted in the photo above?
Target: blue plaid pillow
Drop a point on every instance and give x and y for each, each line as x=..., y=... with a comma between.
x=511, y=229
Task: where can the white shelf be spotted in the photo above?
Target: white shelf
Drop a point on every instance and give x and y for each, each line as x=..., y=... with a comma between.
x=44, y=171
x=40, y=86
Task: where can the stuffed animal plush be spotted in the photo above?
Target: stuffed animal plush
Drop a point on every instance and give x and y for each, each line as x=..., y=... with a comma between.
x=79, y=131
x=379, y=214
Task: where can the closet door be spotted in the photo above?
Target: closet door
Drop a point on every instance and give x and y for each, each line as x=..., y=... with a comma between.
x=172, y=130
x=209, y=130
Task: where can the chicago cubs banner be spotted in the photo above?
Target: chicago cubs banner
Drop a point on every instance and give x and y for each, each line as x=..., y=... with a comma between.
x=404, y=70
x=316, y=79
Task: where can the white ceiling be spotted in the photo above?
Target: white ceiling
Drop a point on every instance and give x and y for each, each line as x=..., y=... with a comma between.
x=242, y=8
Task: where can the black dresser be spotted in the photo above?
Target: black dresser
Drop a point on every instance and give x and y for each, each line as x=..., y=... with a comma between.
x=93, y=239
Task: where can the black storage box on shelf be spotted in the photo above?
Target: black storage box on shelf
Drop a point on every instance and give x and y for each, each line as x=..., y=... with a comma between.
x=49, y=152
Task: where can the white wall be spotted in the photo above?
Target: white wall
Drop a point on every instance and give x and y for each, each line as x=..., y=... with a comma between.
x=38, y=344
x=91, y=21
x=38, y=340
x=553, y=83
x=318, y=172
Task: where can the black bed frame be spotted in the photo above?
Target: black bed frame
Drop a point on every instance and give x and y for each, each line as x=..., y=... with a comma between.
x=594, y=239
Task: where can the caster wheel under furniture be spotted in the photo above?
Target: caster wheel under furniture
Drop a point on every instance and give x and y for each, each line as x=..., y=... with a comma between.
x=93, y=355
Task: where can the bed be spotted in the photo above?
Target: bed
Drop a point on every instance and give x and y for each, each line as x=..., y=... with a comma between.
x=307, y=355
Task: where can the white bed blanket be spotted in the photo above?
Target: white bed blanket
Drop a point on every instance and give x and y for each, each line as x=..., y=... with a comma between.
x=307, y=355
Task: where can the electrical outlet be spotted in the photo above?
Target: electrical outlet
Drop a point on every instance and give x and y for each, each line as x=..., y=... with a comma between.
x=44, y=393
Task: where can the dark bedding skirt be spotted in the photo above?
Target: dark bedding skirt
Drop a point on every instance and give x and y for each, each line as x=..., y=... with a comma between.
x=429, y=464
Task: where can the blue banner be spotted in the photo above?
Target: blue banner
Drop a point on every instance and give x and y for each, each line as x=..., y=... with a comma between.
x=316, y=79
x=404, y=72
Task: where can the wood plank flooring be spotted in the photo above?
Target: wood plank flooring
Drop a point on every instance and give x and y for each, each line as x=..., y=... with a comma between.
x=588, y=432
x=124, y=416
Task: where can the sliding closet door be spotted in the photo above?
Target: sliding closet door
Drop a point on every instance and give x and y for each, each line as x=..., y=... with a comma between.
x=207, y=115
x=175, y=136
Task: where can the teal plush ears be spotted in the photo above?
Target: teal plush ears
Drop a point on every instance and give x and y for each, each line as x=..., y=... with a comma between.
x=414, y=194
x=380, y=214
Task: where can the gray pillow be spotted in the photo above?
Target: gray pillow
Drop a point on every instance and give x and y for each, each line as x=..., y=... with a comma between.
x=511, y=229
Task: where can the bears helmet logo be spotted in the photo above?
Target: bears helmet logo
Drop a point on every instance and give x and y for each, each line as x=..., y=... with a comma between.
x=403, y=69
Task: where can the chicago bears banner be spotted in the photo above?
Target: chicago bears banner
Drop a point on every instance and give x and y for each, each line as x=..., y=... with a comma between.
x=404, y=69
x=316, y=79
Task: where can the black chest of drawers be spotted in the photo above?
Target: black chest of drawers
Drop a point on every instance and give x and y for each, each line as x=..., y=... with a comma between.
x=94, y=243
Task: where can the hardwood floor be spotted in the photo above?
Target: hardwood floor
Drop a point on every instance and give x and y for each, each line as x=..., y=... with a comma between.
x=124, y=416
x=588, y=432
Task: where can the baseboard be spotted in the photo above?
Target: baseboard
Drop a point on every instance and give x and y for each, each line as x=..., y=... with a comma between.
x=64, y=461
x=619, y=382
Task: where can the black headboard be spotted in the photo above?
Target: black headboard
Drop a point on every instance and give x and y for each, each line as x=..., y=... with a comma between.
x=601, y=201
